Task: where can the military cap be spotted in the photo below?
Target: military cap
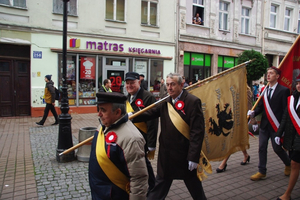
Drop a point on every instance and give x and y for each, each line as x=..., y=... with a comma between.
x=132, y=76
x=110, y=97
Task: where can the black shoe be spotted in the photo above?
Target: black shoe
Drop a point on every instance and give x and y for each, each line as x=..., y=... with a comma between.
x=54, y=123
x=248, y=160
x=39, y=123
x=218, y=170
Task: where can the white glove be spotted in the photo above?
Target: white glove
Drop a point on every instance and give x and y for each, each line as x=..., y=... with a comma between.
x=151, y=148
x=251, y=113
x=129, y=114
x=192, y=165
x=277, y=140
x=254, y=127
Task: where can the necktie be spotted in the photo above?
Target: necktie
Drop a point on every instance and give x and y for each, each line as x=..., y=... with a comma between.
x=131, y=98
x=269, y=93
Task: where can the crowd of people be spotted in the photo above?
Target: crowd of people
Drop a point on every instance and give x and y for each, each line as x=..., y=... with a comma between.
x=119, y=166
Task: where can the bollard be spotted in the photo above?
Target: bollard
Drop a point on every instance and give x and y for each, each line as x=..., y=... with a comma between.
x=84, y=151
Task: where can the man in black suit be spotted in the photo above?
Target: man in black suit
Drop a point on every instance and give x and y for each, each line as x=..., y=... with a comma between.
x=272, y=107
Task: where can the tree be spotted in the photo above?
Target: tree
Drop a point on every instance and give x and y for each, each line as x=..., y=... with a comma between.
x=255, y=69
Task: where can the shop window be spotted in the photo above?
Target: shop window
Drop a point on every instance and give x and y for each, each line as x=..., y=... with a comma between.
x=58, y=7
x=149, y=12
x=156, y=74
x=87, y=83
x=115, y=10
x=223, y=15
x=70, y=77
x=245, y=19
x=273, y=15
x=15, y=3
x=198, y=12
x=226, y=62
x=287, y=19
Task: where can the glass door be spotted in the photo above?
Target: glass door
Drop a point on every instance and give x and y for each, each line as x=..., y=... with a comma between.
x=115, y=69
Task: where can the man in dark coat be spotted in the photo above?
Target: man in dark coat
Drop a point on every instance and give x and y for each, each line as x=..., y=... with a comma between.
x=178, y=156
x=272, y=108
x=290, y=126
x=138, y=99
x=144, y=83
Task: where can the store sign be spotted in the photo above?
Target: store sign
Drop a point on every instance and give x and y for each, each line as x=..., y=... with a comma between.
x=87, y=68
x=228, y=62
x=37, y=54
x=197, y=59
x=119, y=47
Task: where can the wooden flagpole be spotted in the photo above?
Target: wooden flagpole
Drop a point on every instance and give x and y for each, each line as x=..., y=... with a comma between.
x=158, y=102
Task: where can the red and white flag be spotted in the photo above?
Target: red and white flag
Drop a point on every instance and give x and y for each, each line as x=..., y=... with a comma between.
x=290, y=66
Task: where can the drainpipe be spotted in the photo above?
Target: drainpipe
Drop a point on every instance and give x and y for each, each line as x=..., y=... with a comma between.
x=263, y=29
x=177, y=31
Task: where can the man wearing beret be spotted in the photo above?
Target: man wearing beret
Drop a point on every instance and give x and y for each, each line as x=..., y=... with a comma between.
x=138, y=99
x=49, y=97
x=272, y=108
x=117, y=167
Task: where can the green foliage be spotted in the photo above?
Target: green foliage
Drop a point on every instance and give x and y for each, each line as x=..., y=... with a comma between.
x=255, y=69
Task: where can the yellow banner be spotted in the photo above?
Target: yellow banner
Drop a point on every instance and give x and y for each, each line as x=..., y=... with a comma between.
x=224, y=104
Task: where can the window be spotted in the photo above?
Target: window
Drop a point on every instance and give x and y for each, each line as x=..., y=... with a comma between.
x=226, y=62
x=273, y=16
x=115, y=10
x=223, y=16
x=245, y=20
x=149, y=12
x=15, y=3
x=58, y=7
x=298, y=23
x=198, y=8
x=287, y=19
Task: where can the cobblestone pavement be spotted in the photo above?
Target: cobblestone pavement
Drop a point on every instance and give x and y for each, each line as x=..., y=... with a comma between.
x=29, y=170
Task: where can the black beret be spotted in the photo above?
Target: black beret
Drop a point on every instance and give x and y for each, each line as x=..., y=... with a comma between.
x=132, y=76
x=110, y=97
x=142, y=75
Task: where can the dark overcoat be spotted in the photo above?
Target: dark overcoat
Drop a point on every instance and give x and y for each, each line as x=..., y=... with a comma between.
x=174, y=149
x=152, y=125
x=291, y=139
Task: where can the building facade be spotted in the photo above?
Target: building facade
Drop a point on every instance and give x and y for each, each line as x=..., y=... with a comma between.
x=230, y=27
x=106, y=39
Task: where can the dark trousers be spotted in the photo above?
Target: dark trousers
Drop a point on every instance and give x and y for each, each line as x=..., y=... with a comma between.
x=151, y=177
x=162, y=187
x=264, y=136
x=49, y=106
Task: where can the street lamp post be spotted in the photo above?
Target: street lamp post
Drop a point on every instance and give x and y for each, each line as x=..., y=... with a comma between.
x=65, y=132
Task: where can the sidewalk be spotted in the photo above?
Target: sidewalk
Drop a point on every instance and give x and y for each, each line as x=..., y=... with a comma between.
x=29, y=170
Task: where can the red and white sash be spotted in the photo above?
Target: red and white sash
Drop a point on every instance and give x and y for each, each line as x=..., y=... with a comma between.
x=293, y=115
x=271, y=117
